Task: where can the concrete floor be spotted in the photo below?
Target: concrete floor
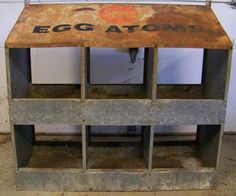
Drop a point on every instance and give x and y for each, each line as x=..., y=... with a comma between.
x=226, y=176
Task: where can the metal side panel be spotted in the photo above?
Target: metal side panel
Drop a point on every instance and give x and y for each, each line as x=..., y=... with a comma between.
x=215, y=73
x=19, y=68
x=117, y=112
x=23, y=139
x=102, y=180
x=208, y=138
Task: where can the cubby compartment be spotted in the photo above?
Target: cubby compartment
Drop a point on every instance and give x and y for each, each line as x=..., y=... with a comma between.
x=180, y=66
x=51, y=152
x=177, y=91
x=115, y=91
x=193, y=150
x=117, y=147
x=204, y=64
x=126, y=77
x=114, y=66
x=22, y=86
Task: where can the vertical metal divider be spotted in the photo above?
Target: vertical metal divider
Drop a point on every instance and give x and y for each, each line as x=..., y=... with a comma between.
x=230, y=56
x=88, y=82
x=84, y=147
x=84, y=79
x=150, y=72
x=155, y=72
x=148, y=140
x=154, y=97
x=150, y=81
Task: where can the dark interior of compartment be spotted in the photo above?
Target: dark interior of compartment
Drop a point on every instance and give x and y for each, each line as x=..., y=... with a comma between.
x=115, y=148
x=116, y=91
x=54, y=91
x=165, y=91
x=56, y=151
x=56, y=156
x=176, y=152
x=116, y=157
x=120, y=147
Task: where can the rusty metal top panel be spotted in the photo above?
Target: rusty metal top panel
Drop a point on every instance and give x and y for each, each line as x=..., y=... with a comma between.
x=118, y=25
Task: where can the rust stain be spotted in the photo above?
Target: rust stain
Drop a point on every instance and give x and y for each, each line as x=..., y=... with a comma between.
x=119, y=14
x=118, y=26
x=85, y=9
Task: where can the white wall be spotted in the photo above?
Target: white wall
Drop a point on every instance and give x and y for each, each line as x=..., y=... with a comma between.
x=61, y=65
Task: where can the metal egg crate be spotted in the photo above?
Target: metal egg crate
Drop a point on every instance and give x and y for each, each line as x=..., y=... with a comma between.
x=144, y=165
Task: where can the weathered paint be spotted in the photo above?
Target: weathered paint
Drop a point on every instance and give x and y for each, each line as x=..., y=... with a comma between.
x=124, y=26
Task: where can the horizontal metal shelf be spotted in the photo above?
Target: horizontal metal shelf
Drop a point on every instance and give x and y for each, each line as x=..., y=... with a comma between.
x=78, y=180
x=117, y=112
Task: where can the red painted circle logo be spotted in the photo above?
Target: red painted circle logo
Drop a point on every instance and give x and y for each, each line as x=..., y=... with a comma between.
x=118, y=14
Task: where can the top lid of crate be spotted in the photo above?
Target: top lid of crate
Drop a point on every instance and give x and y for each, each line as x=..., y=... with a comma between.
x=118, y=26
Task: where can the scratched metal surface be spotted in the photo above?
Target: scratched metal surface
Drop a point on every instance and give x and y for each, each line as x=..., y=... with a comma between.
x=102, y=25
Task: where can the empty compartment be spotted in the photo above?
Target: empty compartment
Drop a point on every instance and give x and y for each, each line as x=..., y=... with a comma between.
x=25, y=81
x=118, y=73
x=116, y=147
x=179, y=73
x=191, y=73
x=188, y=147
x=47, y=151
